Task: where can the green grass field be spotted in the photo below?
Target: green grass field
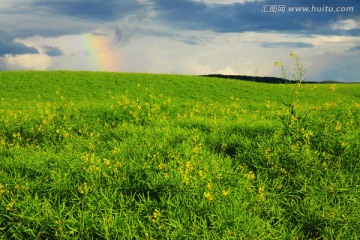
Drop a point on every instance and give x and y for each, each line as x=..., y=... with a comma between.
x=88, y=155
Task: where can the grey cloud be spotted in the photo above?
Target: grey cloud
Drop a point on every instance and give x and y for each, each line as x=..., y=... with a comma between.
x=2, y=64
x=52, y=51
x=94, y=10
x=8, y=46
x=354, y=49
x=191, y=40
x=285, y=45
x=353, y=32
x=66, y=17
x=121, y=37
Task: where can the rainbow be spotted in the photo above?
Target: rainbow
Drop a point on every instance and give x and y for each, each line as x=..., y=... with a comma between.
x=101, y=56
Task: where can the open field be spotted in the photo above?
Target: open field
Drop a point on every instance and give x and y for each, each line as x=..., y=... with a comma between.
x=144, y=156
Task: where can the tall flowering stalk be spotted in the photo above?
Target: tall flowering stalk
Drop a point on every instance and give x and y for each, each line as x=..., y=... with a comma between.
x=297, y=77
x=295, y=124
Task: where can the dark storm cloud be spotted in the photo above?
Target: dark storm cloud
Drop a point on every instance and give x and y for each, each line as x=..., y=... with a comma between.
x=52, y=51
x=253, y=16
x=8, y=46
x=285, y=45
x=63, y=17
x=94, y=10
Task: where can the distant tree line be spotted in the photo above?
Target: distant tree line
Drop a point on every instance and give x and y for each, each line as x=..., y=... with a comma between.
x=273, y=80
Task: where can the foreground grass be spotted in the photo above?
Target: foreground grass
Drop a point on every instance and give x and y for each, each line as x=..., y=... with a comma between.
x=95, y=155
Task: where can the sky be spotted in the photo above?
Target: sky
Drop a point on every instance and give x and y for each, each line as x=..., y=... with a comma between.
x=193, y=37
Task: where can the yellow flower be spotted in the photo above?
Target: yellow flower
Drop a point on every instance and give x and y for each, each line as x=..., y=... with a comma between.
x=324, y=164
x=208, y=196
x=156, y=215
x=224, y=146
x=189, y=167
x=261, y=193
x=292, y=55
x=84, y=188
x=202, y=174
x=10, y=205
x=225, y=193
x=107, y=162
x=314, y=87
x=166, y=176
x=338, y=126
x=333, y=87
x=187, y=179
x=278, y=63
x=2, y=189
x=268, y=105
x=250, y=175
